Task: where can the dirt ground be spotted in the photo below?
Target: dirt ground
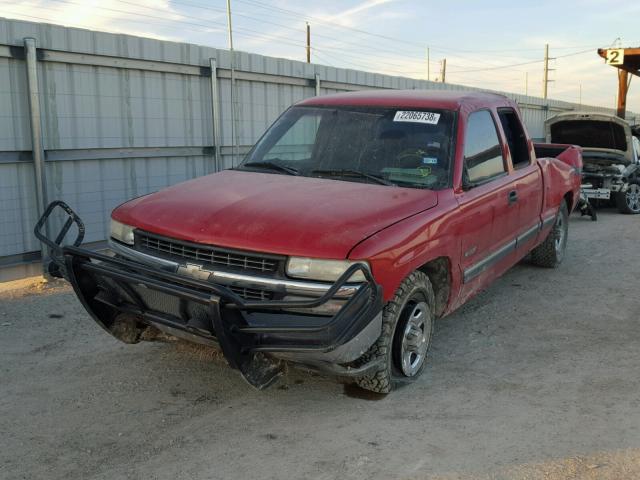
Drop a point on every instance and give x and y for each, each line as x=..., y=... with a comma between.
x=536, y=378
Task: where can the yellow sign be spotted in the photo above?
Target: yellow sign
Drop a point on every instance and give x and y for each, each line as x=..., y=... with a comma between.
x=615, y=56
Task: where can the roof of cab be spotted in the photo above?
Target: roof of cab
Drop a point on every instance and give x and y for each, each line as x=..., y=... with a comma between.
x=441, y=99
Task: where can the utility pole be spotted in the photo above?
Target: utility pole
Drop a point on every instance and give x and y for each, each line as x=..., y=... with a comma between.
x=428, y=66
x=444, y=70
x=545, y=79
x=229, y=28
x=580, y=96
x=308, y=43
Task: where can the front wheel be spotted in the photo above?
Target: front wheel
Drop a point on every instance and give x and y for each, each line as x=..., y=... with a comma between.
x=629, y=201
x=407, y=328
x=550, y=253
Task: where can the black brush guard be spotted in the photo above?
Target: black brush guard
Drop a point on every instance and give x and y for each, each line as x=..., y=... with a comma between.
x=116, y=292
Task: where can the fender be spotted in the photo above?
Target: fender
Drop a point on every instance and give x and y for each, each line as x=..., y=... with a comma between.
x=395, y=252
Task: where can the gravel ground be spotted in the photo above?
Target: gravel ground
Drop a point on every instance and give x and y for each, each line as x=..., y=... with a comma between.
x=536, y=378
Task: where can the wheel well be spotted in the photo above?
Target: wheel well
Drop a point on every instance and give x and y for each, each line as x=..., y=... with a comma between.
x=439, y=273
x=568, y=197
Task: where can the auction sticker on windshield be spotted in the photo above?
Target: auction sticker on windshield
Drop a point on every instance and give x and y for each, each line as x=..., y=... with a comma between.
x=417, y=117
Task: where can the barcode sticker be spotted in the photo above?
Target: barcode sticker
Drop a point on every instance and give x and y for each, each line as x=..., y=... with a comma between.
x=417, y=117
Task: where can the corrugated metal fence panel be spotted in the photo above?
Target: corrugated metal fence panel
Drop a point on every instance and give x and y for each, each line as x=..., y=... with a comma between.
x=100, y=102
x=17, y=194
x=95, y=188
x=14, y=106
x=99, y=107
x=17, y=209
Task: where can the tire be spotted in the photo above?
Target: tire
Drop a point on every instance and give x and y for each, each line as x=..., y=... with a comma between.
x=550, y=253
x=629, y=202
x=407, y=329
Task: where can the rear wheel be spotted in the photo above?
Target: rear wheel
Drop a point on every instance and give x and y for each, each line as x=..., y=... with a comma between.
x=629, y=201
x=550, y=253
x=407, y=328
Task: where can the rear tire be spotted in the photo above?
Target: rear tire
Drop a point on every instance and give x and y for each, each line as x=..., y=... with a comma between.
x=550, y=253
x=629, y=201
x=407, y=329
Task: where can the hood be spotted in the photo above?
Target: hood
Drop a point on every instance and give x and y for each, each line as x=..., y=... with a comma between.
x=605, y=139
x=273, y=213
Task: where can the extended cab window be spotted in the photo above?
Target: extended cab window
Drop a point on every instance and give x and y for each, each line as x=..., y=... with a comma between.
x=482, y=151
x=515, y=136
x=391, y=146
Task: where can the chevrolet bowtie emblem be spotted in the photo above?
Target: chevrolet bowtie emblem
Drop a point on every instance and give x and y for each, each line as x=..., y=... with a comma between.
x=195, y=271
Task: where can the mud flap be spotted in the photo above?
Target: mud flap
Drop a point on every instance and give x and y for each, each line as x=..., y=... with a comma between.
x=256, y=368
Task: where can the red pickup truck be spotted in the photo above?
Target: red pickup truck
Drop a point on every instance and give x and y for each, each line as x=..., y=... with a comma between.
x=353, y=223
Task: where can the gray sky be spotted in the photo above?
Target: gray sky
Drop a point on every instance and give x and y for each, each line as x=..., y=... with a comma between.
x=490, y=44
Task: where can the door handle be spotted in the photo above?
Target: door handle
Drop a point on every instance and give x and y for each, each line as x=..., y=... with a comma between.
x=512, y=196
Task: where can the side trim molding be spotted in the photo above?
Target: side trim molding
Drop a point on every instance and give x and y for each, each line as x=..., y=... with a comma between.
x=475, y=270
x=547, y=221
x=528, y=234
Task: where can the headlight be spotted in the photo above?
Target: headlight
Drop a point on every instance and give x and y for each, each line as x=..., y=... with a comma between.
x=326, y=270
x=121, y=232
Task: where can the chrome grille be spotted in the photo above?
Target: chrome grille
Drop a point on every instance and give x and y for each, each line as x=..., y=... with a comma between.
x=252, y=294
x=165, y=247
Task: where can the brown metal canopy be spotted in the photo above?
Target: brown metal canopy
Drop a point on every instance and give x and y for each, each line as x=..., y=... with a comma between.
x=627, y=61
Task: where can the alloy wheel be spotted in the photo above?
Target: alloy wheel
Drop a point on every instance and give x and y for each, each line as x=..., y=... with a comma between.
x=415, y=338
x=632, y=197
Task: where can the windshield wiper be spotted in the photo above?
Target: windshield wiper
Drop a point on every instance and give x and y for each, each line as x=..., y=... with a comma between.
x=272, y=166
x=354, y=173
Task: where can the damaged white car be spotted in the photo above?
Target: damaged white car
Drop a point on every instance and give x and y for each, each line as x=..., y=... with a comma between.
x=610, y=154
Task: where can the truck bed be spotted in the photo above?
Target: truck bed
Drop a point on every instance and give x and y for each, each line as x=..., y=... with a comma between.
x=569, y=154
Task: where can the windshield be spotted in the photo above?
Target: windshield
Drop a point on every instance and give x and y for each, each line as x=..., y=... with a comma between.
x=390, y=146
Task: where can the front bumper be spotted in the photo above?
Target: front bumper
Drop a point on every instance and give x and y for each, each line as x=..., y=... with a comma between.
x=128, y=298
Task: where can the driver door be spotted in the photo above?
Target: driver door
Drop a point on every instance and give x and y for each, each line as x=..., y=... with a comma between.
x=488, y=211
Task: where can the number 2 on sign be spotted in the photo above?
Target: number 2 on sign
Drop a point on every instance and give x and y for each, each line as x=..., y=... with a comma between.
x=615, y=56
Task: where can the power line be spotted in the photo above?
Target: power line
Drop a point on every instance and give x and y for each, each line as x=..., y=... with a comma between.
x=305, y=16
x=377, y=49
x=288, y=27
x=393, y=39
x=370, y=49
x=359, y=57
x=239, y=31
x=322, y=52
x=285, y=39
x=349, y=62
x=252, y=33
x=519, y=64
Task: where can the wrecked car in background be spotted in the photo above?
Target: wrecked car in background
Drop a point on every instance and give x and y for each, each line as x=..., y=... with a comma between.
x=352, y=224
x=610, y=155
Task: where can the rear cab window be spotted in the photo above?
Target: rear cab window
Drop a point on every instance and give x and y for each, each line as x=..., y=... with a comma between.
x=483, y=158
x=515, y=137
